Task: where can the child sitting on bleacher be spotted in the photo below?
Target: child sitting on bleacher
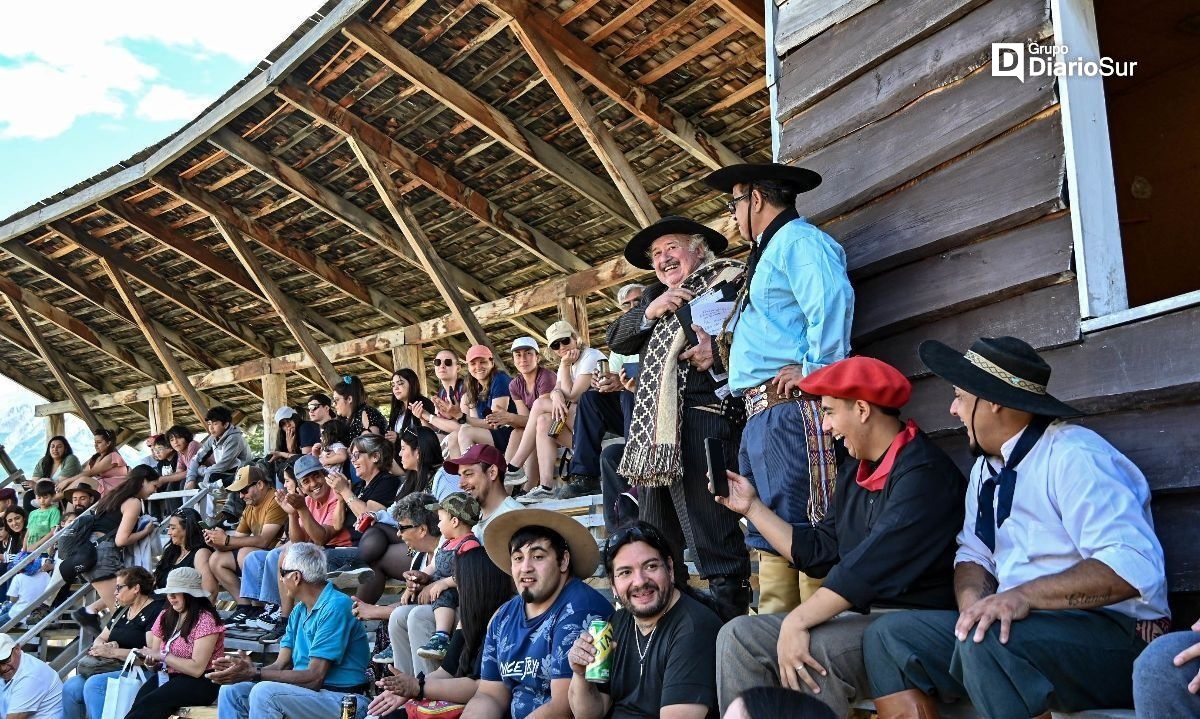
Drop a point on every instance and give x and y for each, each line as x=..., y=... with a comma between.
x=43, y=520
x=25, y=589
x=457, y=513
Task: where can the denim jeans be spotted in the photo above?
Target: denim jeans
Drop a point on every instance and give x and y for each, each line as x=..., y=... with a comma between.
x=260, y=576
x=83, y=697
x=1159, y=687
x=276, y=700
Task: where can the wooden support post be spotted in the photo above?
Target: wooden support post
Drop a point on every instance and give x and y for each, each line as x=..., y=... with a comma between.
x=274, y=397
x=146, y=324
x=410, y=356
x=573, y=309
x=420, y=244
x=56, y=426
x=162, y=415
x=50, y=357
x=284, y=306
x=589, y=124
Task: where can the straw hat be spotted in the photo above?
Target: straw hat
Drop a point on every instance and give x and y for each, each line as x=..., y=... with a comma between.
x=585, y=555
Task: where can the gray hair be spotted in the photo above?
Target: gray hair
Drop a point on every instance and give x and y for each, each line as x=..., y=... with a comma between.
x=412, y=507
x=374, y=444
x=699, y=242
x=627, y=290
x=309, y=559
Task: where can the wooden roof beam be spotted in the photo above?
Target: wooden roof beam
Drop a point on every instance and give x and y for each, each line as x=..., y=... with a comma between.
x=172, y=291
x=437, y=180
x=589, y=124
x=52, y=361
x=284, y=306
x=539, y=297
x=421, y=246
x=314, y=265
x=20, y=340
x=517, y=139
x=206, y=258
x=198, y=404
x=748, y=14
x=598, y=71
x=331, y=203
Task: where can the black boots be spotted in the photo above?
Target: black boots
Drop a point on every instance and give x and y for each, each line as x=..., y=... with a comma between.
x=731, y=595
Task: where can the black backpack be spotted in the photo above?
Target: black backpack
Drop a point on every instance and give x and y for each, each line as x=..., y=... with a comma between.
x=75, y=547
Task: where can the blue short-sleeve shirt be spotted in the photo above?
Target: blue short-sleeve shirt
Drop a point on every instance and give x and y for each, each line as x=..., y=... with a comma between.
x=329, y=632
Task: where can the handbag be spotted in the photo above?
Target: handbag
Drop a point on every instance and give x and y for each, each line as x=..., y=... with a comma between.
x=90, y=666
x=122, y=690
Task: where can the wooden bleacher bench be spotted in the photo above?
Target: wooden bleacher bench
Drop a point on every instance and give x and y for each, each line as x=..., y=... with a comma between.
x=209, y=712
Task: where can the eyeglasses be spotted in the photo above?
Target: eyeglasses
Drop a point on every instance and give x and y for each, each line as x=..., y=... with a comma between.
x=284, y=572
x=732, y=204
x=560, y=343
x=449, y=361
x=119, y=587
x=355, y=455
x=405, y=527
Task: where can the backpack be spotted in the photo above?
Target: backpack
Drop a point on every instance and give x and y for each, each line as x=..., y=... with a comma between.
x=75, y=548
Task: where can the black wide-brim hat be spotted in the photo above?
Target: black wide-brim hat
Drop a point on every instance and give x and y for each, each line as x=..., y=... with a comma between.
x=637, y=251
x=1003, y=370
x=797, y=179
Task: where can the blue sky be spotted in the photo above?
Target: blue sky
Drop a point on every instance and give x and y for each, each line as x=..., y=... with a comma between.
x=88, y=84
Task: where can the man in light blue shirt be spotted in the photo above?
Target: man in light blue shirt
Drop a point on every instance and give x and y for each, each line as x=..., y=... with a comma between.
x=795, y=317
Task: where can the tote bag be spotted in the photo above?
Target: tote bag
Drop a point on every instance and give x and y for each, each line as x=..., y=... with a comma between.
x=123, y=689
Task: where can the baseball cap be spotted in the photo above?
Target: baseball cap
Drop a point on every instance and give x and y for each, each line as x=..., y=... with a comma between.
x=560, y=330
x=459, y=504
x=8, y=493
x=284, y=413
x=7, y=643
x=478, y=351
x=477, y=454
x=524, y=343
x=305, y=465
x=247, y=476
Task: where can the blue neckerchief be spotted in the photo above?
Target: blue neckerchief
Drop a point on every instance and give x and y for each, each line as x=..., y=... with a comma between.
x=1006, y=479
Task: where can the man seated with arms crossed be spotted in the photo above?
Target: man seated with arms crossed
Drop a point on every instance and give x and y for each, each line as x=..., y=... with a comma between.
x=886, y=541
x=667, y=673
x=525, y=671
x=322, y=656
x=261, y=526
x=1057, y=521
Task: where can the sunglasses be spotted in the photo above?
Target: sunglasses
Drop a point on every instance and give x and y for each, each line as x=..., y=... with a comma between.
x=314, y=407
x=443, y=362
x=284, y=572
x=404, y=527
x=560, y=343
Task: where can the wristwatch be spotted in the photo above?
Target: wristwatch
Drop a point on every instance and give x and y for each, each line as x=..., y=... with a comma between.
x=421, y=686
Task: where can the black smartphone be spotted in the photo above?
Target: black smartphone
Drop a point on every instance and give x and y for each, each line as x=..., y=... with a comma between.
x=631, y=369
x=714, y=454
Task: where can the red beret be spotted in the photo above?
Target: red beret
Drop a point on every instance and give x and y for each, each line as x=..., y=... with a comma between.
x=864, y=378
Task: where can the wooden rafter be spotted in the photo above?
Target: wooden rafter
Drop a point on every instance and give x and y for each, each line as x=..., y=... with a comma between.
x=597, y=70
x=314, y=265
x=748, y=14
x=52, y=361
x=18, y=339
x=534, y=299
x=589, y=124
x=204, y=257
x=434, y=267
x=432, y=177
x=332, y=203
x=517, y=139
x=284, y=306
x=144, y=321
x=171, y=291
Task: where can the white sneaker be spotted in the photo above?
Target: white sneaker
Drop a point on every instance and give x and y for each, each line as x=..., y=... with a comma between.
x=535, y=495
x=266, y=620
x=514, y=478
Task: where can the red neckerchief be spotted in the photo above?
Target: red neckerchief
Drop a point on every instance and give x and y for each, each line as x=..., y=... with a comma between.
x=876, y=479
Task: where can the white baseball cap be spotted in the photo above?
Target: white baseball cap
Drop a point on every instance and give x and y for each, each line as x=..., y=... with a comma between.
x=284, y=413
x=7, y=643
x=524, y=343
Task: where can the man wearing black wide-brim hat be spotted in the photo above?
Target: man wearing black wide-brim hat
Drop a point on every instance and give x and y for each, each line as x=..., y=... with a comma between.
x=678, y=404
x=1058, y=576
x=795, y=317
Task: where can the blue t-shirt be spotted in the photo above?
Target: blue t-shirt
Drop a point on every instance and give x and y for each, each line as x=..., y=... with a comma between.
x=332, y=633
x=526, y=654
x=499, y=388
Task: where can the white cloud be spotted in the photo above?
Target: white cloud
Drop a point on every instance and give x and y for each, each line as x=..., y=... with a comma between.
x=162, y=103
x=67, y=60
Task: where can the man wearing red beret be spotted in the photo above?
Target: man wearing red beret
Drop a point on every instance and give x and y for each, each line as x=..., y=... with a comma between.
x=888, y=541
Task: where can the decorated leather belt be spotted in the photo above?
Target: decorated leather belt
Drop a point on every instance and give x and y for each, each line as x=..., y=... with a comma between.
x=764, y=397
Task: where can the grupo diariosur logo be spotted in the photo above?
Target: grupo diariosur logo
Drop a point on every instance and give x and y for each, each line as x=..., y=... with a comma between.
x=1023, y=61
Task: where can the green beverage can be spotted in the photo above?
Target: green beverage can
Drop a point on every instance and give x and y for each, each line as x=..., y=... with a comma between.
x=600, y=670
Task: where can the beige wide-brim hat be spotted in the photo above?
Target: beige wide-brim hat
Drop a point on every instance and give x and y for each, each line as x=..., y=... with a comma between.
x=184, y=580
x=585, y=555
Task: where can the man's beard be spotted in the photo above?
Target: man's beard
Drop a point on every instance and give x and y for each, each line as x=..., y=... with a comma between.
x=642, y=612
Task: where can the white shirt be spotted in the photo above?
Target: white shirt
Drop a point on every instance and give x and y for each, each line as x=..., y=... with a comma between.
x=508, y=505
x=1076, y=498
x=36, y=688
x=588, y=359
